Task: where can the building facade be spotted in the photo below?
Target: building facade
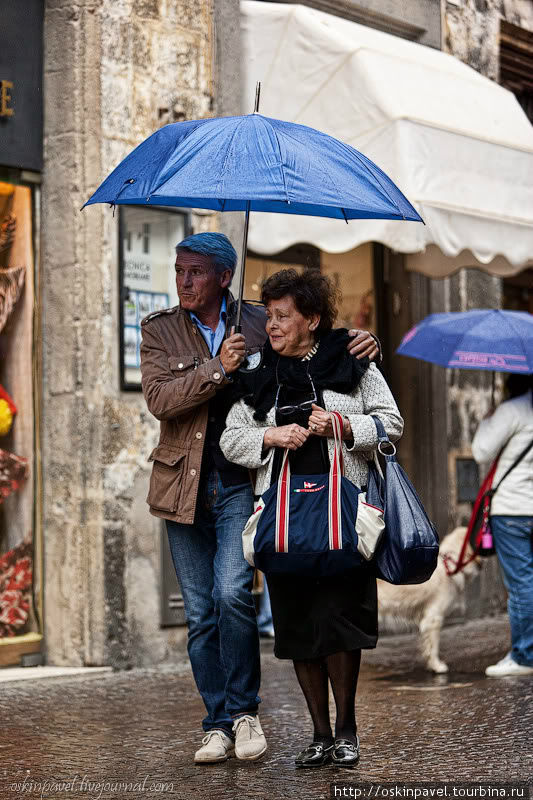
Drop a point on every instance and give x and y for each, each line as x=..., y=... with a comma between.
x=111, y=72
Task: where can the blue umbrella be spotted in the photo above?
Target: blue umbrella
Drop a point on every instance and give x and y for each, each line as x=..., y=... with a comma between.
x=489, y=339
x=254, y=163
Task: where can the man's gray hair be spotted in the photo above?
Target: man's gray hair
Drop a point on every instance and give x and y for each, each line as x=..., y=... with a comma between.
x=215, y=245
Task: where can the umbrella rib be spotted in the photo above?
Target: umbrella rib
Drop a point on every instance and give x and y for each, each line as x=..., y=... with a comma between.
x=373, y=175
x=274, y=131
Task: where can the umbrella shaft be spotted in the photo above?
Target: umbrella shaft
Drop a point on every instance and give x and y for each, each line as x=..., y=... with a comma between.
x=243, y=265
x=245, y=236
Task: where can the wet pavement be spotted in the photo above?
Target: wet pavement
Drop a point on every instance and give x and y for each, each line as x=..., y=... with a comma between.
x=140, y=728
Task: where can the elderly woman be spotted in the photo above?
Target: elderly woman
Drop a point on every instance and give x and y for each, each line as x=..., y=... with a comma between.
x=320, y=624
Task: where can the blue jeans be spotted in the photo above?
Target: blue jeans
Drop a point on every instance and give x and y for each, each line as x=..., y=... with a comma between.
x=264, y=617
x=216, y=583
x=514, y=548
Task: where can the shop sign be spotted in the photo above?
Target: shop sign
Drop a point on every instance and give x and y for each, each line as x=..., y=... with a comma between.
x=6, y=89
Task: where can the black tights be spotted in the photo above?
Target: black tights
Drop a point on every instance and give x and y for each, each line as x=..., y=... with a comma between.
x=342, y=669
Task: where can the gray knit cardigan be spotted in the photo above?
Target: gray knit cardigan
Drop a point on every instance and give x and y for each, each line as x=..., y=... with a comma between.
x=242, y=440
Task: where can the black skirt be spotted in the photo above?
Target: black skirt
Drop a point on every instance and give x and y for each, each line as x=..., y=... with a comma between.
x=314, y=618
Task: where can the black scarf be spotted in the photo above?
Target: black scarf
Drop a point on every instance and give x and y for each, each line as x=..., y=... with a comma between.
x=331, y=367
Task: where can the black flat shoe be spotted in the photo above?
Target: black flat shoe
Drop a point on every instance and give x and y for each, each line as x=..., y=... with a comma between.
x=316, y=755
x=345, y=753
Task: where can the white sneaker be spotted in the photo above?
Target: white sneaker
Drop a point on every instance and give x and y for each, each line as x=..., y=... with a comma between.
x=507, y=667
x=250, y=742
x=507, y=657
x=216, y=746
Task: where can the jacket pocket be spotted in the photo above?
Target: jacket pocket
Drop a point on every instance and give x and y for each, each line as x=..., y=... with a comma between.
x=180, y=364
x=166, y=478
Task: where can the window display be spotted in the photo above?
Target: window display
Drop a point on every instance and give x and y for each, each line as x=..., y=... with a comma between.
x=148, y=238
x=16, y=416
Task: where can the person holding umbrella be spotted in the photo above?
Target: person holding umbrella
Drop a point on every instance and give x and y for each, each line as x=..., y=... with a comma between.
x=189, y=357
x=189, y=363
x=508, y=432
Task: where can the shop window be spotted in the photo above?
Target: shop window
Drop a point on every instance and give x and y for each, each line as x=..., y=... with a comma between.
x=148, y=238
x=351, y=272
x=20, y=585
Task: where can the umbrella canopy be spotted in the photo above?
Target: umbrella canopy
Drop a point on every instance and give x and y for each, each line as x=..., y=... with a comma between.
x=254, y=163
x=490, y=339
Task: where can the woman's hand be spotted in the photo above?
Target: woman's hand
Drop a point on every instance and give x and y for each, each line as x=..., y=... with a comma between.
x=286, y=436
x=320, y=423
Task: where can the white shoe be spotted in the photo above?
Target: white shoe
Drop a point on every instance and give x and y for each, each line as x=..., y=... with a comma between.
x=507, y=667
x=250, y=742
x=216, y=746
x=507, y=657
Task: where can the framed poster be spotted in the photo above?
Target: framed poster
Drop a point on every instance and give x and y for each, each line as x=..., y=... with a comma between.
x=147, y=250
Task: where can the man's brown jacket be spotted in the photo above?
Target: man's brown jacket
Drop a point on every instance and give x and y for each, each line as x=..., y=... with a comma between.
x=179, y=377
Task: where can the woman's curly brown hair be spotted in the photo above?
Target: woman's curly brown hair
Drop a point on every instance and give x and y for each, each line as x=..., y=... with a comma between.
x=312, y=293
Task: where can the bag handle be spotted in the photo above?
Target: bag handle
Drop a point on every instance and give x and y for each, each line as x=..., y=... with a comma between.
x=383, y=439
x=336, y=471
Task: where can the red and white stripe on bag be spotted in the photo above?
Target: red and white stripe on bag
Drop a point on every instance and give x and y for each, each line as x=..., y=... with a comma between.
x=334, y=500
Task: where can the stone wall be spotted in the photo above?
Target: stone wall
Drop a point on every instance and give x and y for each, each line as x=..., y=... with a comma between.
x=471, y=30
x=115, y=70
x=471, y=33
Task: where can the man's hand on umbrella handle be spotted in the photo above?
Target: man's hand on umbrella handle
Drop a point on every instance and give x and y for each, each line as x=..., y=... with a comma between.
x=233, y=352
x=362, y=344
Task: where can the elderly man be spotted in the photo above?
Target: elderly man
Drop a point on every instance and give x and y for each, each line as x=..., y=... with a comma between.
x=188, y=356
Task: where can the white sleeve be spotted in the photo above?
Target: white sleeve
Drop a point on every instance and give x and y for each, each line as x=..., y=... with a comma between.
x=242, y=440
x=493, y=433
x=378, y=401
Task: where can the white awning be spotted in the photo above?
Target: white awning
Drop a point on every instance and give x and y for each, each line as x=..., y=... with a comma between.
x=457, y=144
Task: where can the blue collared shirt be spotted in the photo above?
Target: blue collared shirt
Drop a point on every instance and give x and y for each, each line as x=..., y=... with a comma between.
x=213, y=338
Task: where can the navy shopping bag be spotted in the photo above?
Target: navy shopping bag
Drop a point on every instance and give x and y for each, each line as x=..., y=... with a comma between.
x=409, y=548
x=313, y=524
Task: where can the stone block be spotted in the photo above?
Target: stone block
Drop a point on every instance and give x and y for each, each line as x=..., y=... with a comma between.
x=62, y=99
x=188, y=14
x=483, y=290
x=61, y=32
x=60, y=355
x=147, y=9
x=117, y=40
x=117, y=633
x=60, y=222
x=144, y=108
x=176, y=58
x=141, y=44
x=116, y=100
x=113, y=151
x=148, y=644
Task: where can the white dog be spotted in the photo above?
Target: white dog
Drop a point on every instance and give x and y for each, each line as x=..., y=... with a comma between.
x=427, y=604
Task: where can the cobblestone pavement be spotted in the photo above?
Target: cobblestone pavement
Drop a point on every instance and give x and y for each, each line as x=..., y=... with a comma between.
x=143, y=725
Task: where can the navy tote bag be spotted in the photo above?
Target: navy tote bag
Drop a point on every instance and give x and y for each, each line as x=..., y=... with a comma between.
x=313, y=524
x=409, y=548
